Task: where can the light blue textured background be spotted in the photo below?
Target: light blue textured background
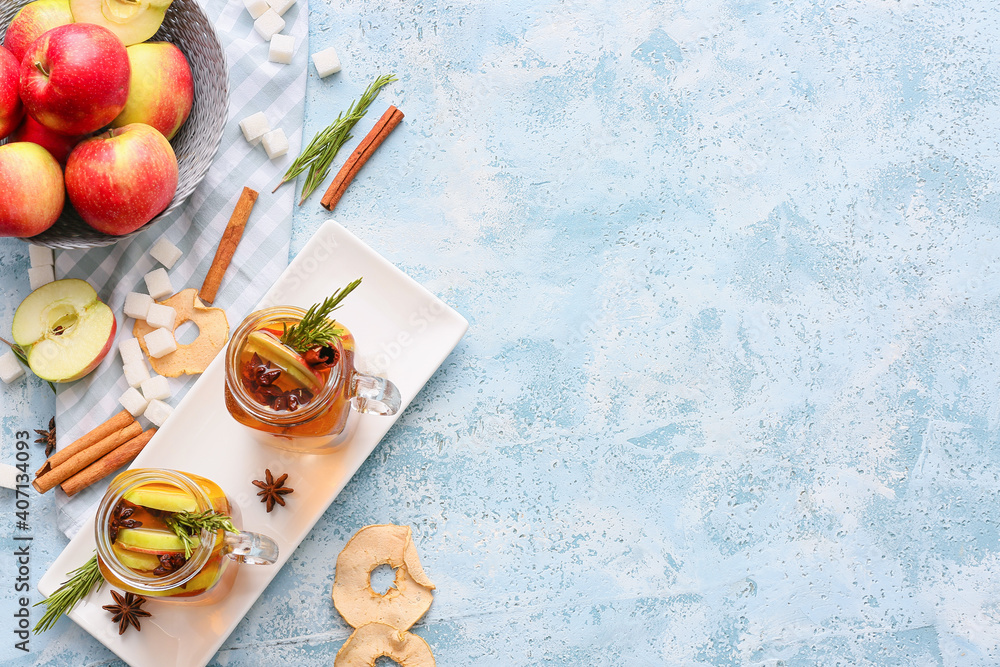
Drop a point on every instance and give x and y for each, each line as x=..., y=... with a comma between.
x=729, y=392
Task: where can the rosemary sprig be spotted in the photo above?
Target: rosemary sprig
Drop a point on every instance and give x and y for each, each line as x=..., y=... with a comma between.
x=314, y=330
x=186, y=525
x=79, y=585
x=318, y=155
x=19, y=353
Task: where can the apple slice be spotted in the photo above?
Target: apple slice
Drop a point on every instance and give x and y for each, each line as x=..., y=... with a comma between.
x=135, y=559
x=269, y=348
x=65, y=330
x=151, y=541
x=133, y=21
x=196, y=586
x=164, y=497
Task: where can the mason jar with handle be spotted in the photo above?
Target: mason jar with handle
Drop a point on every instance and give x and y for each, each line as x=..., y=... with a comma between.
x=303, y=402
x=137, y=550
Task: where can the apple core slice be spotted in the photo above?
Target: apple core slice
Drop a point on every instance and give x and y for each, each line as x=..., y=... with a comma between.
x=162, y=497
x=133, y=21
x=65, y=330
x=269, y=348
x=151, y=541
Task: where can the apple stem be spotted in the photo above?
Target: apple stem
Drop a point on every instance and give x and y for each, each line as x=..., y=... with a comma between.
x=41, y=68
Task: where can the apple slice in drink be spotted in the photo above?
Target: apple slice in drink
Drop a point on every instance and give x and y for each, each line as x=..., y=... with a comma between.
x=196, y=586
x=151, y=541
x=136, y=560
x=64, y=329
x=162, y=497
x=269, y=348
x=133, y=21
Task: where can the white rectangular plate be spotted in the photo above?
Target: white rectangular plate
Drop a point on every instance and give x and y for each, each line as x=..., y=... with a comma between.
x=402, y=331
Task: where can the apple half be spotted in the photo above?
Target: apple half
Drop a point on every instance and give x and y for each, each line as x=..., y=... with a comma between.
x=133, y=21
x=64, y=329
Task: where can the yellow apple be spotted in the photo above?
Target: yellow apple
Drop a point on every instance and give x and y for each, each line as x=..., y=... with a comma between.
x=32, y=186
x=161, y=89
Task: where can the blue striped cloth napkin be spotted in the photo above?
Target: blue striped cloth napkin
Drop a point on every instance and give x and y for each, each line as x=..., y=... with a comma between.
x=254, y=85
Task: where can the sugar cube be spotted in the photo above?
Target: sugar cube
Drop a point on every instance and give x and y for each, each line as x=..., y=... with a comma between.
x=326, y=62
x=165, y=252
x=269, y=24
x=275, y=143
x=39, y=255
x=255, y=7
x=157, y=412
x=158, y=284
x=161, y=317
x=40, y=275
x=160, y=342
x=156, y=388
x=280, y=6
x=133, y=401
x=254, y=127
x=8, y=476
x=131, y=351
x=281, y=49
x=10, y=367
x=137, y=305
x=135, y=373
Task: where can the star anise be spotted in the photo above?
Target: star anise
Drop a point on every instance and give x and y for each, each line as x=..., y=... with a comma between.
x=127, y=611
x=259, y=377
x=48, y=438
x=169, y=563
x=272, y=489
x=120, y=519
x=266, y=376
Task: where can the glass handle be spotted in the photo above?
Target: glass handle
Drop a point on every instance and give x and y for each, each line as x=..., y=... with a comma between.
x=250, y=548
x=374, y=395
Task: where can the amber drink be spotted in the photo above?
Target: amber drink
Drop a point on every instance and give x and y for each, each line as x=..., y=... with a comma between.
x=299, y=401
x=138, y=551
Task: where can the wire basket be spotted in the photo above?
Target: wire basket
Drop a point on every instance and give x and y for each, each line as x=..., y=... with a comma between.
x=197, y=142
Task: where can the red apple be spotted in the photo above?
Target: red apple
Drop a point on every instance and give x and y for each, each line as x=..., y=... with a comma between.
x=161, y=90
x=121, y=179
x=11, y=108
x=59, y=145
x=32, y=20
x=74, y=78
x=64, y=328
x=31, y=184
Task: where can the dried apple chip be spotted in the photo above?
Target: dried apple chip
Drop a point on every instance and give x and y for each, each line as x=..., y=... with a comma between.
x=375, y=640
x=194, y=358
x=401, y=606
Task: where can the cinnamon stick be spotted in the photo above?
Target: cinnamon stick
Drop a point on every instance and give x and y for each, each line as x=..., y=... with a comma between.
x=82, y=459
x=116, y=423
x=385, y=125
x=107, y=464
x=227, y=246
